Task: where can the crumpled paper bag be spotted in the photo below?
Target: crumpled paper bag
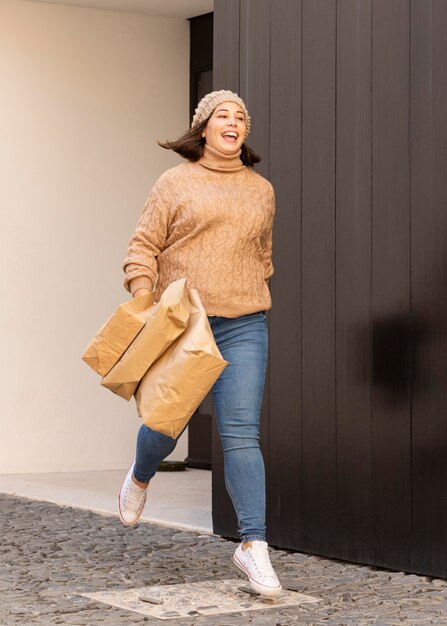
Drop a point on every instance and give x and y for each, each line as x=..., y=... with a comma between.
x=179, y=380
x=165, y=321
x=112, y=339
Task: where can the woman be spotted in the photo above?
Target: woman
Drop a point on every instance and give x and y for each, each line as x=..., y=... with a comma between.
x=210, y=219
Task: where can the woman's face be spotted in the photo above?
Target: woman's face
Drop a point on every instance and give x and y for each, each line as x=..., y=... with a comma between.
x=226, y=129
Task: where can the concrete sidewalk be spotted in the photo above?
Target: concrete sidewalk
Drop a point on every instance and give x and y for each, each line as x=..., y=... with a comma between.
x=177, y=499
x=54, y=561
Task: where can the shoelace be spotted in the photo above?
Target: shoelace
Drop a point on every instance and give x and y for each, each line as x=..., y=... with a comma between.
x=133, y=498
x=261, y=560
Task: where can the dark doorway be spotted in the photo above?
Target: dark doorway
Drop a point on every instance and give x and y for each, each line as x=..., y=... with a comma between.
x=201, y=58
x=201, y=83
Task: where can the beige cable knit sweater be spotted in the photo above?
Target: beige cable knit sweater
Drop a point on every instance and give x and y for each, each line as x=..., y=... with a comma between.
x=211, y=222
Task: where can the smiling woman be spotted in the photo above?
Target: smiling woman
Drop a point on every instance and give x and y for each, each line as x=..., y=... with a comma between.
x=220, y=124
x=210, y=220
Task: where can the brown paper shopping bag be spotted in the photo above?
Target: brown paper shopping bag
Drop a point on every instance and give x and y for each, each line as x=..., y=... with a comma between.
x=117, y=334
x=178, y=381
x=165, y=321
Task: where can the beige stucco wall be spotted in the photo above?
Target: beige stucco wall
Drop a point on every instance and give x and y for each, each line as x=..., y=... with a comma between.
x=84, y=94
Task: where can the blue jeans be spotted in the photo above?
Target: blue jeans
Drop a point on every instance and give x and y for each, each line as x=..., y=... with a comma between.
x=237, y=395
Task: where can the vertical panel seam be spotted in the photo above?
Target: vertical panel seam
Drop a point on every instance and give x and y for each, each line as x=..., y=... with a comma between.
x=301, y=268
x=410, y=199
x=239, y=48
x=270, y=159
x=371, y=282
x=335, y=262
x=241, y=52
x=269, y=84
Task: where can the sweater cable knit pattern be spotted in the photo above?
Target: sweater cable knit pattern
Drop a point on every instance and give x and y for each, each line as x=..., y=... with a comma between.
x=211, y=222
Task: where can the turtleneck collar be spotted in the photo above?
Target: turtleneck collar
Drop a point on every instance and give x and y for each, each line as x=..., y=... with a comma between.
x=220, y=161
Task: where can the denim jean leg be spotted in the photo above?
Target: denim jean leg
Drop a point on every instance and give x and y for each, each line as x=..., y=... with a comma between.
x=152, y=448
x=237, y=395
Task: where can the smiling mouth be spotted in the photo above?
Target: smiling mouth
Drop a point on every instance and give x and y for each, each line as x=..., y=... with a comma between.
x=230, y=136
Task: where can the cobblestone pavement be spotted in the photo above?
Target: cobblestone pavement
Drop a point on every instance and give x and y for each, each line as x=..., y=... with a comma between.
x=48, y=554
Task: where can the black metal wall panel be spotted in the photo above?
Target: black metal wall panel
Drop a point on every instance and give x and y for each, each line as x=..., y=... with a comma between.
x=252, y=22
x=255, y=74
x=318, y=485
x=255, y=85
x=429, y=285
x=226, y=73
x=284, y=436
x=226, y=45
x=353, y=280
x=391, y=283
x=348, y=101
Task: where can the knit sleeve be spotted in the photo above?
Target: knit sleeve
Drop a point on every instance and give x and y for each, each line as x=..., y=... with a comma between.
x=266, y=240
x=147, y=242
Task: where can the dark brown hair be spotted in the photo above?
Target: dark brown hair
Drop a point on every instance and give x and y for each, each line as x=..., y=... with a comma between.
x=191, y=146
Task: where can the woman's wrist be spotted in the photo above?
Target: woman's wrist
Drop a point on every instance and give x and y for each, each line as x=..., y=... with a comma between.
x=142, y=285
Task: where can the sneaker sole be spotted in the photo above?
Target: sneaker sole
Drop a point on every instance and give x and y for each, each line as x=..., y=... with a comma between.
x=271, y=592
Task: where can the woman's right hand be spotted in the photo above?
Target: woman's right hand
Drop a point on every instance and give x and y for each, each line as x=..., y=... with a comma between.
x=141, y=292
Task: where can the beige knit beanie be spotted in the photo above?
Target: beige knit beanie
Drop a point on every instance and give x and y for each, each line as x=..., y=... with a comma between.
x=209, y=102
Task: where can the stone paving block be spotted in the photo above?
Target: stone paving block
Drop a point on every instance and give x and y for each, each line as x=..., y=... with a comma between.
x=209, y=598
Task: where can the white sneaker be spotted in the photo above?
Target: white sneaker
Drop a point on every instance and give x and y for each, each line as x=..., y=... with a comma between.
x=255, y=562
x=131, y=500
